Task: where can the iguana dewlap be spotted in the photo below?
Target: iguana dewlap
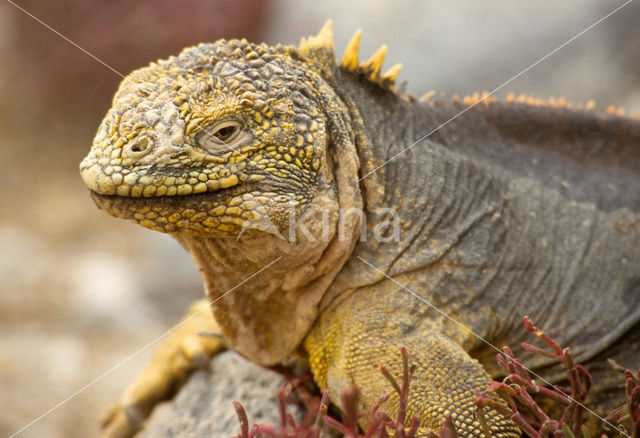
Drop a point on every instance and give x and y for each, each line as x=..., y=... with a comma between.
x=254, y=156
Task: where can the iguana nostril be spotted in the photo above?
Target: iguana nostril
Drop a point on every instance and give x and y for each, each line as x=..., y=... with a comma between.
x=139, y=147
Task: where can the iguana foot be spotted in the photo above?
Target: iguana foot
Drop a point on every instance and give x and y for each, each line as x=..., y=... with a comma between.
x=182, y=351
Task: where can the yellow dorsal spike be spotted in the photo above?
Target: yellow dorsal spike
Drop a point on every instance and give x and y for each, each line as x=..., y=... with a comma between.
x=323, y=40
x=318, y=50
x=427, y=96
x=373, y=65
x=325, y=36
x=350, y=58
x=392, y=74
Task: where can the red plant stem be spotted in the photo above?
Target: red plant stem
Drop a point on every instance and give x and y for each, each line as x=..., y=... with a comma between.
x=242, y=418
x=482, y=419
x=554, y=395
x=413, y=428
x=281, y=406
x=535, y=331
x=322, y=411
x=387, y=375
x=403, y=394
x=537, y=350
x=346, y=431
x=632, y=389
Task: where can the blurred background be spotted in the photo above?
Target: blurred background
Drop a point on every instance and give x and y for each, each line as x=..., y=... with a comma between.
x=80, y=291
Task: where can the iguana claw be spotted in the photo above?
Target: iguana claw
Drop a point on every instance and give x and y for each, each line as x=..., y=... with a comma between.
x=122, y=421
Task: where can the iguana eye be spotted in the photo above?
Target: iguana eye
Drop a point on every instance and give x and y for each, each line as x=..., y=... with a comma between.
x=225, y=133
x=221, y=137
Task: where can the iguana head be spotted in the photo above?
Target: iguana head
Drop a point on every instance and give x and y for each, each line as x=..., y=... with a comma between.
x=222, y=146
x=225, y=137
x=210, y=140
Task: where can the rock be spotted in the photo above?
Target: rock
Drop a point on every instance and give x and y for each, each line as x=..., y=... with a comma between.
x=204, y=408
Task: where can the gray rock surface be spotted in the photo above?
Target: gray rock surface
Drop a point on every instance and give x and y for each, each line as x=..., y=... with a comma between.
x=204, y=408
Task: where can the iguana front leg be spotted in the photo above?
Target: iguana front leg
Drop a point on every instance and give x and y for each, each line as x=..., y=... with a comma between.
x=183, y=350
x=350, y=342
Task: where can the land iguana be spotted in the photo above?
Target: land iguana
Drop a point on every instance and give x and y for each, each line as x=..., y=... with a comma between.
x=257, y=159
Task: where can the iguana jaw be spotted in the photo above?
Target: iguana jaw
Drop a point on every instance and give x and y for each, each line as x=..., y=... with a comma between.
x=226, y=212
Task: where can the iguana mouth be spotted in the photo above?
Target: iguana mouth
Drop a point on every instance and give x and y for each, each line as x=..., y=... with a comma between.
x=269, y=189
x=225, y=210
x=176, y=201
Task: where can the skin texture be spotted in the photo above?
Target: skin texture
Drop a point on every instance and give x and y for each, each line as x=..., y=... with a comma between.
x=250, y=155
